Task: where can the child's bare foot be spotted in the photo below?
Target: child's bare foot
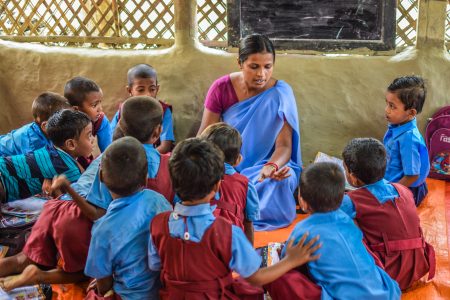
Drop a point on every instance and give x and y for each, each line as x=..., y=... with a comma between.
x=29, y=276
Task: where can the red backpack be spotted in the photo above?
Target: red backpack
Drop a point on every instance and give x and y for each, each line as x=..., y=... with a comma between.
x=438, y=144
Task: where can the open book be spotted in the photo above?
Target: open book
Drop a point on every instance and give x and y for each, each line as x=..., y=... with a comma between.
x=322, y=157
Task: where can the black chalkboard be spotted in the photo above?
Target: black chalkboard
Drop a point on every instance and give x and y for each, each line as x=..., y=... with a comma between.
x=315, y=24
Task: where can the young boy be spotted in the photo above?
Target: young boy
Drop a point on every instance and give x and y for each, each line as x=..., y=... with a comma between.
x=195, y=251
x=32, y=136
x=407, y=153
x=237, y=199
x=117, y=254
x=140, y=118
x=386, y=214
x=143, y=81
x=23, y=175
x=345, y=269
x=86, y=96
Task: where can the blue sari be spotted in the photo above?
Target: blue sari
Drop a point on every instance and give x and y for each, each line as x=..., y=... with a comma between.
x=260, y=119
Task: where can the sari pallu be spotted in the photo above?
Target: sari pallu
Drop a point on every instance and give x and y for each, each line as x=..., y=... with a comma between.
x=260, y=119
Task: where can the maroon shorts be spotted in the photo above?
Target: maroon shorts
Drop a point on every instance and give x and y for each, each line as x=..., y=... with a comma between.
x=61, y=231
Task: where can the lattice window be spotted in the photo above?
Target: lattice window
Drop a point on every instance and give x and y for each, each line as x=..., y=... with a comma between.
x=447, y=29
x=123, y=24
x=407, y=14
x=212, y=22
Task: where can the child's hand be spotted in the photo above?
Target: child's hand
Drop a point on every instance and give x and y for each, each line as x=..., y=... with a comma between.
x=46, y=186
x=269, y=171
x=59, y=185
x=301, y=253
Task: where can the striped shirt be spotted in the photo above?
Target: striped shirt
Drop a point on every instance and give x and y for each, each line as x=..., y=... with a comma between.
x=22, y=175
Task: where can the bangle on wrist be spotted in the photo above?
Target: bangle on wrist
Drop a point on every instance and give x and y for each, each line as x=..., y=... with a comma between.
x=272, y=164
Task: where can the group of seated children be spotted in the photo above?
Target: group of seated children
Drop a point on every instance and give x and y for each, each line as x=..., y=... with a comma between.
x=143, y=224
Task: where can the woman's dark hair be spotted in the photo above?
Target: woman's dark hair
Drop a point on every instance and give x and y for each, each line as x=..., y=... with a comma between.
x=322, y=186
x=366, y=159
x=195, y=166
x=255, y=43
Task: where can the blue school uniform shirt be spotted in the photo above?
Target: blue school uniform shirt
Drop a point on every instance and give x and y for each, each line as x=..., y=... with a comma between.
x=99, y=194
x=407, y=153
x=382, y=190
x=252, y=203
x=167, y=125
x=22, y=175
x=23, y=140
x=345, y=270
x=244, y=259
x=119, y=245
x=83, y=185
x=104, y=134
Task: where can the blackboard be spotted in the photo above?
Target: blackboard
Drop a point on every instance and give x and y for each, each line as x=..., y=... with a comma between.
x=315, y=24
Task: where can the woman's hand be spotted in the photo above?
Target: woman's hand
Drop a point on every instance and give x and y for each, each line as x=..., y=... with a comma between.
x=269, y=171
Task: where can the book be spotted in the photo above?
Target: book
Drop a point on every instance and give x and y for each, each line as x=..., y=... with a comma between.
x=322, y=157
x=34, y=292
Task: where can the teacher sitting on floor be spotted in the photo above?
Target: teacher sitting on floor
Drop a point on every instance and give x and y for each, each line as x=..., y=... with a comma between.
x=264, y=111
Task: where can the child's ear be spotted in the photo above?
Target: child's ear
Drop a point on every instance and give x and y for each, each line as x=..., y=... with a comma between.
x=238, y=160
x=412, y=112
x=157, y=89
x=239, y=63
x=157, y=132
x=353, y=180
x=303, y=205
x=129, y=90
x=43, y=126
x=216, y=187
x=70, y=145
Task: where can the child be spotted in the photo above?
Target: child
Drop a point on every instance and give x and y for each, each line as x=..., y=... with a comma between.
x=23, y=175
x=85, y=95
x=237, y=200
x=407, y=153
x=32, y=136
x=195, y=251
x=140, y=118
x=117, y=254
x=386, y=214
x=143, y=81
x=345, y=269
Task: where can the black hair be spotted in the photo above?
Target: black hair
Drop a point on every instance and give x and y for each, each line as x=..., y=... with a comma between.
x=77, y=88
x=410, y=90
x=255, y=43
x=195, y=166
x=46, y=104
x=366, y=159
x=322, y=186
x=124, y=166
x=140, y=116
x=66, y=124
x=227, y=138
x=141, y=71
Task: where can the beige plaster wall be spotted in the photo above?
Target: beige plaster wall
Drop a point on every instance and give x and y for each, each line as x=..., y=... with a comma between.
x=339, y=97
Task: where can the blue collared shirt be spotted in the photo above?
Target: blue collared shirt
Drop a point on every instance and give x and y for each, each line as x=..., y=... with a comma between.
x=83, y=185
x=382, y=190
x=167, y=125
x=345, y=270
x=119, y=245
x=244, y=259
x=25, y=139
x=252, y=202
x=99, y=194
x=407, y=153
x=104, y=134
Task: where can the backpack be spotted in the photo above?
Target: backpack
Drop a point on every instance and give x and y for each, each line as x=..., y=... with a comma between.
x=438, y=143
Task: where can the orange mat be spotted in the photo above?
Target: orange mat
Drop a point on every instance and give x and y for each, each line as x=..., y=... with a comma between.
x=434, y=214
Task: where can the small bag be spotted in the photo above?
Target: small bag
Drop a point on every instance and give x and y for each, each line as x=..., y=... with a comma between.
x=438, y=144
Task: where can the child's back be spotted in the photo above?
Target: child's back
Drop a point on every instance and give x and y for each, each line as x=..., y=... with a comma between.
x=386, y=214
x=345, y=269
x=31, y=137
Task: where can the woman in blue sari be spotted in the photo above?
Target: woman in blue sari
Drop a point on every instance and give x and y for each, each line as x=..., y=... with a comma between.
x=264, y=111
